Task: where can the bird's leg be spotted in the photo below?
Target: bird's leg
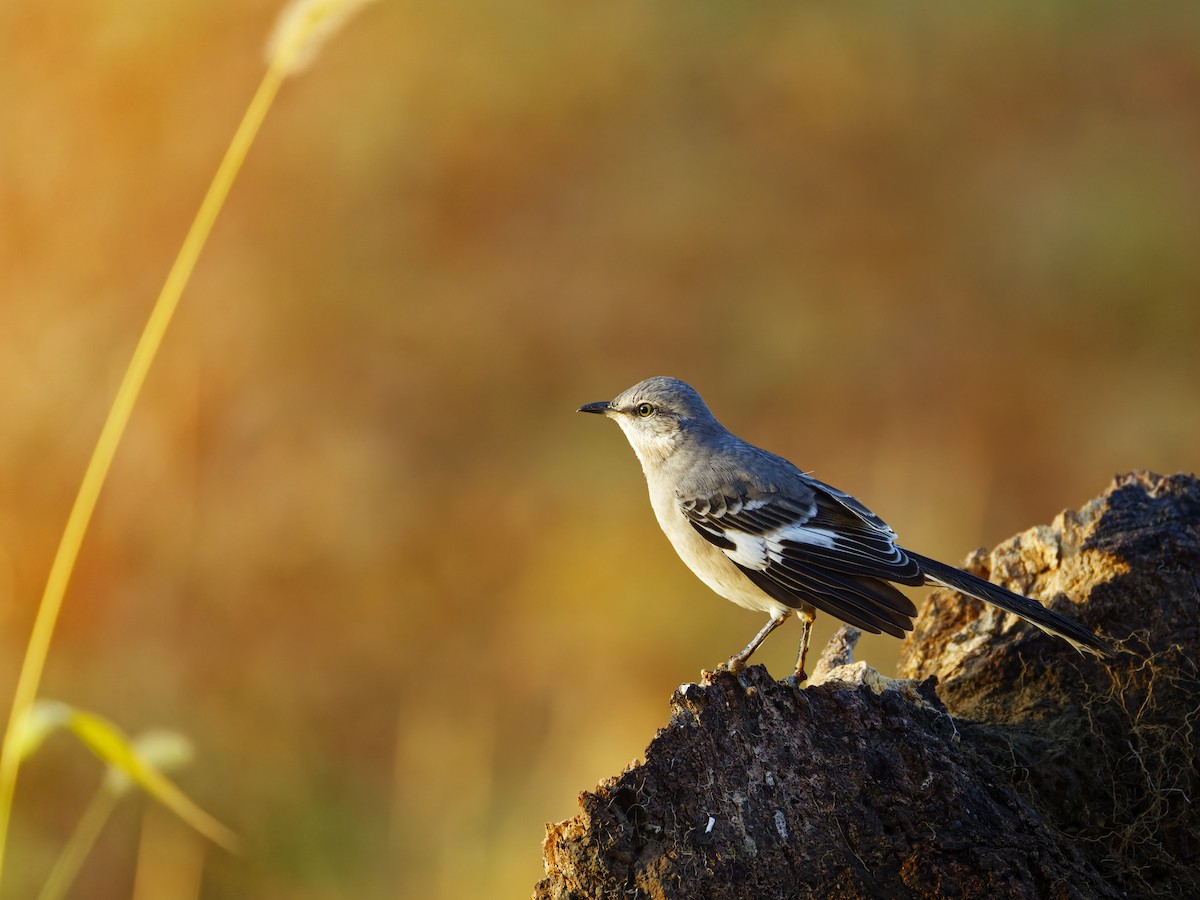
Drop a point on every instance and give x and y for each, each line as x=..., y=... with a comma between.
x=806, y=621
x=737, y=662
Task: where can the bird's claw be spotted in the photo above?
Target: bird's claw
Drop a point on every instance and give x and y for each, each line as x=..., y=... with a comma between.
x=796, y=680
x=733, y=666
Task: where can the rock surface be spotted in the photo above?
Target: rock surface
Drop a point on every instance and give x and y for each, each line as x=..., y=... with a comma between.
x=1000, y=763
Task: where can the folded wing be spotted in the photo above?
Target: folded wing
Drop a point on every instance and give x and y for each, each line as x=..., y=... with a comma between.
x=813, y=546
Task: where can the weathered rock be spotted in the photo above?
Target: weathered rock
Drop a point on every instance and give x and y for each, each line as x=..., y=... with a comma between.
x=1106, y=753
x=1028, y=771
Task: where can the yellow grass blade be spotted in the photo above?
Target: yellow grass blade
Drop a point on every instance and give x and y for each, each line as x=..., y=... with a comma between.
x=162, y=750
x=83, y=839
x=110, y=437
x=112, y=746
x=304, y=26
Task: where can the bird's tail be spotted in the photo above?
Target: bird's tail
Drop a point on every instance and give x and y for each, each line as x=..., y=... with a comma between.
x=1029, y=610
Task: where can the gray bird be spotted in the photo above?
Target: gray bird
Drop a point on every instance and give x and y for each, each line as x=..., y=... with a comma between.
x=771, y=538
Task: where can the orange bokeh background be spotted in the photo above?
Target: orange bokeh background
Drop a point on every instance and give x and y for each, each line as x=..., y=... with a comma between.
x=358, y=546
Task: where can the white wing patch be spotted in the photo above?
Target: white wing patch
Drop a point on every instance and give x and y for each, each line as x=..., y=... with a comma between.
x=757, y=551
x=798, y=534
x=749, y=550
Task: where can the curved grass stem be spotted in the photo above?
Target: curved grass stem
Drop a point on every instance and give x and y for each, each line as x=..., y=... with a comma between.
x=110, y=437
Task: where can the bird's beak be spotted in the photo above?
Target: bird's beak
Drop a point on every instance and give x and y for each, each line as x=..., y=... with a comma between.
x=602, y=408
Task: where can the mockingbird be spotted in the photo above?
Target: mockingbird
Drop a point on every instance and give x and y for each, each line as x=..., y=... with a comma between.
x=771, y=538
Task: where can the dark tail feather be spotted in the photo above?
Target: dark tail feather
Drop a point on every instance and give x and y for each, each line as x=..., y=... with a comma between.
x=1029, y=610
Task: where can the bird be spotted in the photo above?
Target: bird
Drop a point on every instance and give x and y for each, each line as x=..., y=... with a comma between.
x=771, y=538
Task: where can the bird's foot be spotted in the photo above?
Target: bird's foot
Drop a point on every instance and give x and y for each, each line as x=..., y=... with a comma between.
x=733, y=666
x=796, y=679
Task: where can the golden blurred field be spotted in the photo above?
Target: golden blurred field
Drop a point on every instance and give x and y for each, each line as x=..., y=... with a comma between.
x=357, y=544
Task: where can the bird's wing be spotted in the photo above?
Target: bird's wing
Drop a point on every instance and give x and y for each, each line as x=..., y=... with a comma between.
x=812, y=545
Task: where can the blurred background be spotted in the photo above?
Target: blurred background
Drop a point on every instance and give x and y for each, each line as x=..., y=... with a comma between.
x=358, y=545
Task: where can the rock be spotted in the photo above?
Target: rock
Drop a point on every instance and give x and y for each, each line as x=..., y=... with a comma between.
x=1001, y=763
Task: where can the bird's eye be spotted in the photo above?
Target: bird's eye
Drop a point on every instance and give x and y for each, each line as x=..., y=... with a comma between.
x=644, y=410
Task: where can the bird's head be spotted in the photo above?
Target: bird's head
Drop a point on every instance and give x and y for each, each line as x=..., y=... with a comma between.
x=657, y=415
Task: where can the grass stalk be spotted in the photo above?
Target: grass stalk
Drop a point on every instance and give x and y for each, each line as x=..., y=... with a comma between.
x=300, y=32
x=110, y=436
x=80, y=844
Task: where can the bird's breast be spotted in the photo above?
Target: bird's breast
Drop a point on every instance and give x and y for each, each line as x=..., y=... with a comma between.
x=706, y=560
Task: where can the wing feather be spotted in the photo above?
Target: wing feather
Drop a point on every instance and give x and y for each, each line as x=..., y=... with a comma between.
x=813, y=546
